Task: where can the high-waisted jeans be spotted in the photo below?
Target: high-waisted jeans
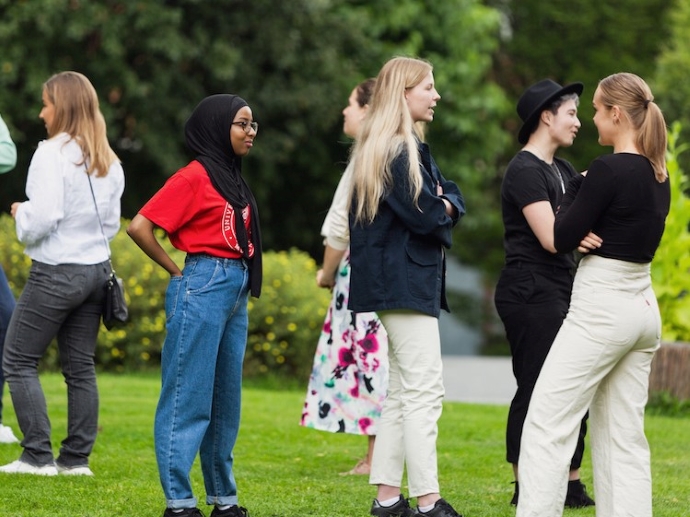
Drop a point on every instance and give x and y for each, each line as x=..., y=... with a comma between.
x=600, y=360
x=199, y=406
x=64, y=301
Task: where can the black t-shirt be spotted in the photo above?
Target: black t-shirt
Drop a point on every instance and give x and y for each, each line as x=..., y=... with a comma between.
x=528, y=180
x=622, y=202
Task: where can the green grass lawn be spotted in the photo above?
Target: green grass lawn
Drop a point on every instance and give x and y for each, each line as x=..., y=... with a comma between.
x=284, y=470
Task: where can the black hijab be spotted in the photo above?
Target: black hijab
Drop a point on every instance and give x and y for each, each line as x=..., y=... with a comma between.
x=207, y=132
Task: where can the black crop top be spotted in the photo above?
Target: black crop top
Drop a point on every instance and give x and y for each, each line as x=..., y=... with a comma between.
x=622, y=202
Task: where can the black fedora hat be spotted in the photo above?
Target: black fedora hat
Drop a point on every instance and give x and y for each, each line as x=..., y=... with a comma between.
x=536, y=99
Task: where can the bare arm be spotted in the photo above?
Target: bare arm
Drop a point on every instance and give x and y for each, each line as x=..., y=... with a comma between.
x=325, y=277
x=140, y=229
x=541, y=220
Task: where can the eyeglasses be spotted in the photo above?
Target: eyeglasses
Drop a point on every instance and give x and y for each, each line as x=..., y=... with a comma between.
x=246, y=126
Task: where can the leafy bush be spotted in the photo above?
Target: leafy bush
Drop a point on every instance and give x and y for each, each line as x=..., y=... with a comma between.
x=664, y=403
x=671, y=264
x=284, y=324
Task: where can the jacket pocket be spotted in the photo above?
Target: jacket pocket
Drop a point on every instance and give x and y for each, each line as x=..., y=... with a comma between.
x=422, y=270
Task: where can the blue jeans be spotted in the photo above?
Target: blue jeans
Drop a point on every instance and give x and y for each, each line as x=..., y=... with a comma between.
x=7, y=304
x=199, y=405
x=62, y=301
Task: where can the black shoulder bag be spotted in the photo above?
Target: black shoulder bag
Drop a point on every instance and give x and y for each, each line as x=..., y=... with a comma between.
x=115, y=310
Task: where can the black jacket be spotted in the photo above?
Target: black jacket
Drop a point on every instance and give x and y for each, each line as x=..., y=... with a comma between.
x=398, y=261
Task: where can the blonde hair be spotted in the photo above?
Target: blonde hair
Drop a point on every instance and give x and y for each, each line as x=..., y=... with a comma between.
x=77, y=113
x=634, y=97
x=387, y=131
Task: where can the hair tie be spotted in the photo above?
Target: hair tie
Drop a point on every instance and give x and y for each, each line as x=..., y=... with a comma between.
x=646, y=103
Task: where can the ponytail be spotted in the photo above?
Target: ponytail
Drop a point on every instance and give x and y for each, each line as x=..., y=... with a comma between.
x=634, y=97
x=652, y=139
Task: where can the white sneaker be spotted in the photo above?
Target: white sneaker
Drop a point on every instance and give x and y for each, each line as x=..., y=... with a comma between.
x=6, y=435
x=21, y=467
x=74, y=471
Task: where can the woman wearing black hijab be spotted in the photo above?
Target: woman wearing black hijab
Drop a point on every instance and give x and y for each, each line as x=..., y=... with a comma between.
x=208, y=211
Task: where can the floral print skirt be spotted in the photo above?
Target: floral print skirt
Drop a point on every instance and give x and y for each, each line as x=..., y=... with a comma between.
x=349, y=378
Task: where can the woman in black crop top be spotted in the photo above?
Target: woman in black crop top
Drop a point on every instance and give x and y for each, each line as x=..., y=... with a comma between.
x=603, y=352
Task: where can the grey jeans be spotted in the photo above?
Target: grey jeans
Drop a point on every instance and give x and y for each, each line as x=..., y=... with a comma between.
x=62, y=301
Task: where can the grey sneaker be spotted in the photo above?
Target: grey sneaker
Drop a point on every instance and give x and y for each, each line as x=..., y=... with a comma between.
x=78, y=470
x=399, y=509
x=6, y=435
x=21, y=467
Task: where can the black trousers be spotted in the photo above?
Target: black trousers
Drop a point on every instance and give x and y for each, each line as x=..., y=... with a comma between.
x=532, y=301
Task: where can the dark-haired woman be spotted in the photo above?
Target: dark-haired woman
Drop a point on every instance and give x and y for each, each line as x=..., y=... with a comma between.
x=208, y=211
x=348, y=382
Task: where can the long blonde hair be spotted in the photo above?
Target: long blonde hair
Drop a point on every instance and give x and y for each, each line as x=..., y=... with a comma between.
x=387, y=131
x=78, y=114
x=634, y=97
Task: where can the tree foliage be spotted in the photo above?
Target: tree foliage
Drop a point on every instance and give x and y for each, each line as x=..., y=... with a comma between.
x=567, y=41
x=294, y=62
x=671, y=265
x=671, y=88
x=578, y=40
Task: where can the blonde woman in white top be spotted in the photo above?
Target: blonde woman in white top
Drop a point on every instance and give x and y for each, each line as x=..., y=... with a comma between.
x=63, y=296
x=348, y=382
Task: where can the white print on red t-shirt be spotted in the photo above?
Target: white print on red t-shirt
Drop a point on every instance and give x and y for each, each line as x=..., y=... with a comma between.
x=229, y=227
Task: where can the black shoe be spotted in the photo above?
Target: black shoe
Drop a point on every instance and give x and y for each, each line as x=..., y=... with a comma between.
x=516, y=494
x=187, y=512
x=440, y=509
x=577, y=496
x=399, y=509
x=233, y=511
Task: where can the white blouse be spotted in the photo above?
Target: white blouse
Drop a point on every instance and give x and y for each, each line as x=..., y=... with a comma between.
x=58, y=224
x=336, y=226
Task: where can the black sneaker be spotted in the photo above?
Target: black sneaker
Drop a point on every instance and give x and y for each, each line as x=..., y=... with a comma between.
x=399, y=509
x=516, y=494
x=577, y=496
x=233, y=511
x=186, y=512
x=441, y=509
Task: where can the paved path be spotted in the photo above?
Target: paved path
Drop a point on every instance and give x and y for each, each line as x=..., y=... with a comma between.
x=485, y=380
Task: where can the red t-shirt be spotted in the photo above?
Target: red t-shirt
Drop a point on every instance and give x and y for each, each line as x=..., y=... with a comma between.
x=197, y=218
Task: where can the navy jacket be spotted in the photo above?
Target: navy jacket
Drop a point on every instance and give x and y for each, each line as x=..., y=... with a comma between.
x=398, y=261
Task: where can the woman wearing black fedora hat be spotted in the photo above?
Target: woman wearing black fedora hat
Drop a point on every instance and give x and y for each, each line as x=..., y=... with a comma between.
x=533, y=291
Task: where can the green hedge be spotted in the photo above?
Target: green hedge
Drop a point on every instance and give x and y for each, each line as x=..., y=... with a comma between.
x=284, y=324
x=671, y=264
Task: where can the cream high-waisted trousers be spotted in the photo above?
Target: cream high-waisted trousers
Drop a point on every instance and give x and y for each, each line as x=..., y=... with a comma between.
x=600, y=360
x=408, y=427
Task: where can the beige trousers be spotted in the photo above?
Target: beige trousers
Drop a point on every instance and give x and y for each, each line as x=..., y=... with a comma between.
x=408, y=427
x=600, y=360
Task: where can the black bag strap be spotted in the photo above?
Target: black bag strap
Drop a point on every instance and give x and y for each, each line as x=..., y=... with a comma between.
x=100, y=223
